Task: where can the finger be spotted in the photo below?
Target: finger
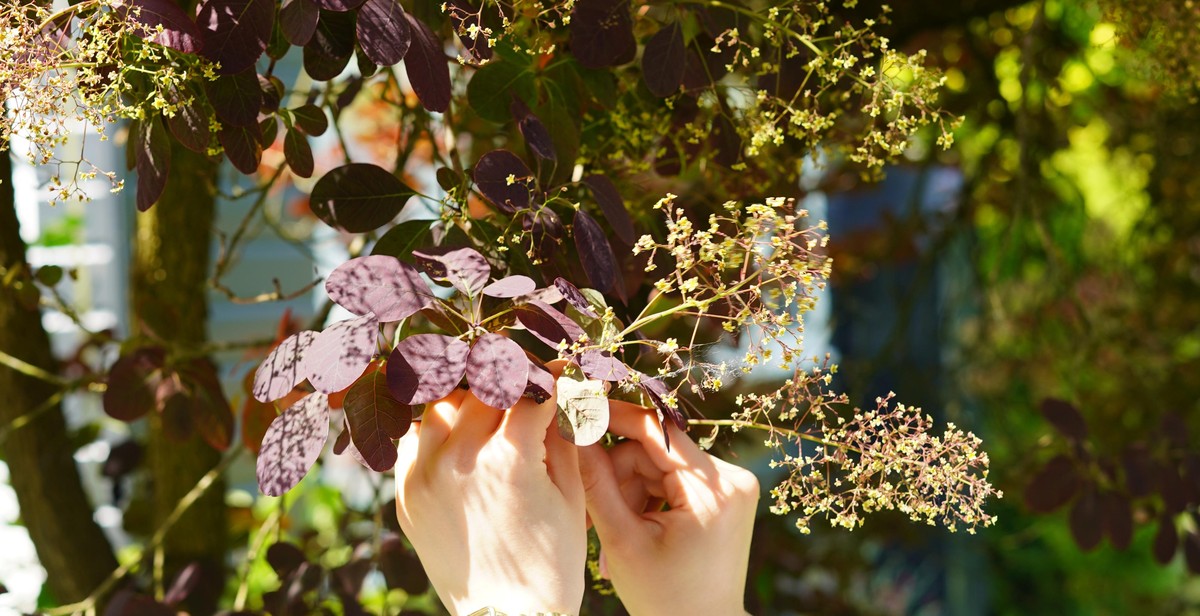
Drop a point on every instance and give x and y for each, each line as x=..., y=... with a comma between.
x=406, y=461
x=610, y=514
x=525, y=424
x=474, y=424
x=639, y=479
x=641, y=424
x=562, y=464
x=435, y=424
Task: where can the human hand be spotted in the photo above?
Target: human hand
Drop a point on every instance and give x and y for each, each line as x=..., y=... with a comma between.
x=491, y=501
x=690, y=559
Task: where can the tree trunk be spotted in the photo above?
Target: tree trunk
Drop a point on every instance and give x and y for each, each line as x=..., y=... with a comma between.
x=169, y=292
x=54, y=507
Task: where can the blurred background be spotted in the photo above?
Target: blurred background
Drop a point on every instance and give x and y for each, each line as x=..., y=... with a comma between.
x=1038, y=284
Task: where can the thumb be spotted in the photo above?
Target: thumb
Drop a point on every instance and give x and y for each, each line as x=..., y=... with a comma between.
x=609, y=512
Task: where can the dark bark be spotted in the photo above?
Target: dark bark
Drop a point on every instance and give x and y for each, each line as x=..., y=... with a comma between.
x=54, y=507
x=169, y=294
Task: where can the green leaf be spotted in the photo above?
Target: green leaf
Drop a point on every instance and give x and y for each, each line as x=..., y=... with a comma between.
x=491, y=88
x=402, y=239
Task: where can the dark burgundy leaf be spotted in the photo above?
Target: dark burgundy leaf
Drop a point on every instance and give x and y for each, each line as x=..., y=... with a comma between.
x=603, y=366
x=131, y=383
x=178, y=31
x=383, y=32
x=547, y=324
x=236, y=98
x=340, y=353
x=243, y=147
x=375, y=418
x=595, y=253
x=1139, y=474
x=349, y=92
x=366, y=68
x=285, y=559
x=189, y=125
x=497, y=371
x=1191, y=551
x=1173, y=489
x=663, y=61
x=153, y=163
x=575, y=297
x=256, y=418
x=236, y=32
x=401, y=569
x=545, y=231
x=339, y=6
x=298, y=153
x=177, y=417
x=298, y=20
x=342, y=440
x=1065, y=417
x=211, y=413
x=310, y=119
x=269, y=127
x=492, y=178
x=536, y=135
x=1166, y=540
x=329, y=50
x=1053, y=486
x=126, y=603
x=657, y=391
x=510, y=286
x=541, y=383
x=401, y=240
x=426, y=66
x=278, y=46
x=272, y=93
x=1087, y=520
x=426, y=367
x=379, y=284
x=1118, y=519
x=613, y=206
x=183, y=585
x=122, y=459
x=358, y=197
x=448, y=179
x=602, y=33
x=281, y=371
x=463, y=16
x=464, y=268
x=292, y=444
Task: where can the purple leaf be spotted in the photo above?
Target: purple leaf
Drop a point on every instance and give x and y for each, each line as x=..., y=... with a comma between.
x=210, y=410
x=663, y=61
x=602, y=33
x=329, y=50
x=536, y=135
x=125, y=603
x=464, y=268
x=1087, y=520
x=131, y=383
x=492, y=174
x=541, y=383
x=243, y=147
x=1053, y=486
x=1065, y=417
x=236, y=98
x=339, y=6
x=547, y=324
x=298, y=21
x=153, y=163
x=281, y=371
x=189, y=125
x=269, y=127
x=178, y=31
x=613, y=206
x=463, y=16
x=183, y=585
x=340, y=353
x=298, y=153
x=544, y=231
x=383, y=33
x=426, y=367
x=603, y=366
x=272, y=91
x=426, y=66
x=657, y=391
x=311, y=119
x=285, y=559
x=358, y=197
x=375, y=418
x=595, y=253
x=497, y=371
x=379, y=284
x=342, y=440
x=510, y=286
x=236, y=32
x=575, y=297
x=1166, y=540
x=292, y=444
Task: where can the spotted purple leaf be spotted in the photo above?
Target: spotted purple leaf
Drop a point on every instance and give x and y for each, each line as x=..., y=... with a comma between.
x=575, y=297
x=379, y=284
x=426, y=66
x=281, y=371
x=425, y=367
x=340, y=353
x=464, y=268
x=595, y=253
x=153, y=163
x=236, y=32
x=497, y=371
x=298, y=21
x=541, y=383
x=383, y=33
x=292, y=444
x=178, y=31
x=603, y=366
x=548, y=324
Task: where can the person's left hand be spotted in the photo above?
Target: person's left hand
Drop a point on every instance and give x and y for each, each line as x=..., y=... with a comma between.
x=493, y=504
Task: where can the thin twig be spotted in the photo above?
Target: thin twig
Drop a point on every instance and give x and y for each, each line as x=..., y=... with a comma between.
x=31, y=370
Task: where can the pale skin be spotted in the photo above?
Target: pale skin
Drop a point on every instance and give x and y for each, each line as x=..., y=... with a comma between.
x=494, y=504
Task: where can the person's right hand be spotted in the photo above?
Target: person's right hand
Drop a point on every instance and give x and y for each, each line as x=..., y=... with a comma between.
x=690, y=559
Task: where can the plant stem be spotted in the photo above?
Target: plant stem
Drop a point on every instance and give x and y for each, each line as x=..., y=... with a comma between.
x=736, y=423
